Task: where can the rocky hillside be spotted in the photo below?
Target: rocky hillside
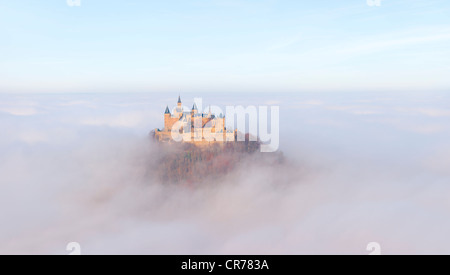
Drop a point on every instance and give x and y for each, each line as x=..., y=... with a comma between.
x=188, y=163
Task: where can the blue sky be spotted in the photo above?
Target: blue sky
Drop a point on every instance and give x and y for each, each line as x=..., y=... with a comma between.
x=224, y=46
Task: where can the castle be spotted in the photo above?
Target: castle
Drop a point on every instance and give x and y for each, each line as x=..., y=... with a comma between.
x=193, y=126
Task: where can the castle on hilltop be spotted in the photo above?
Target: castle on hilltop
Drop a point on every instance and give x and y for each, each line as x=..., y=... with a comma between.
x=193, y=126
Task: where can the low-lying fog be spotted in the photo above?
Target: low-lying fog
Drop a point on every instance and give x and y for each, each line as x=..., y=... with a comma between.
x=361, y=168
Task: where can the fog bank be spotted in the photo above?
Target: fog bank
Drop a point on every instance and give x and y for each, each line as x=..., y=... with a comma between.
x=361, y=168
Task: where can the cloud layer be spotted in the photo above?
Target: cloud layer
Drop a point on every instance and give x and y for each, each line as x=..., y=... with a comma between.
x=362, y=168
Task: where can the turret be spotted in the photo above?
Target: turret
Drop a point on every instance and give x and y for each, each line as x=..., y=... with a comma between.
x=179, y=102
x=194, y=109
x=167, y=116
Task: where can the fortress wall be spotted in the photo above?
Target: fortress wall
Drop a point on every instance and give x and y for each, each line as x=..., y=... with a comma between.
x=169, y=122
x=166, y=136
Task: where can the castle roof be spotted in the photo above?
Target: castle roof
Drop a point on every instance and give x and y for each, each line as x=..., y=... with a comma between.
x=167, y=110
x=194, y=107
x=179, y=99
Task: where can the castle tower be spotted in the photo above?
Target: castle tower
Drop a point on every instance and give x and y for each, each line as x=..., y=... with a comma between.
x=179, y=102
x=179, y=109
x=194, y=109
x=167, y=122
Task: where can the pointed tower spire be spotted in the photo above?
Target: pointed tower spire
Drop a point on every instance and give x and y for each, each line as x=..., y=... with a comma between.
x=167, y=110
x=179, y=104
x=194, y=109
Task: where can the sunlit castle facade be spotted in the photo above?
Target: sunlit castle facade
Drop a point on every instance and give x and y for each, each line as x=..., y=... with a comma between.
x=193, y=126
